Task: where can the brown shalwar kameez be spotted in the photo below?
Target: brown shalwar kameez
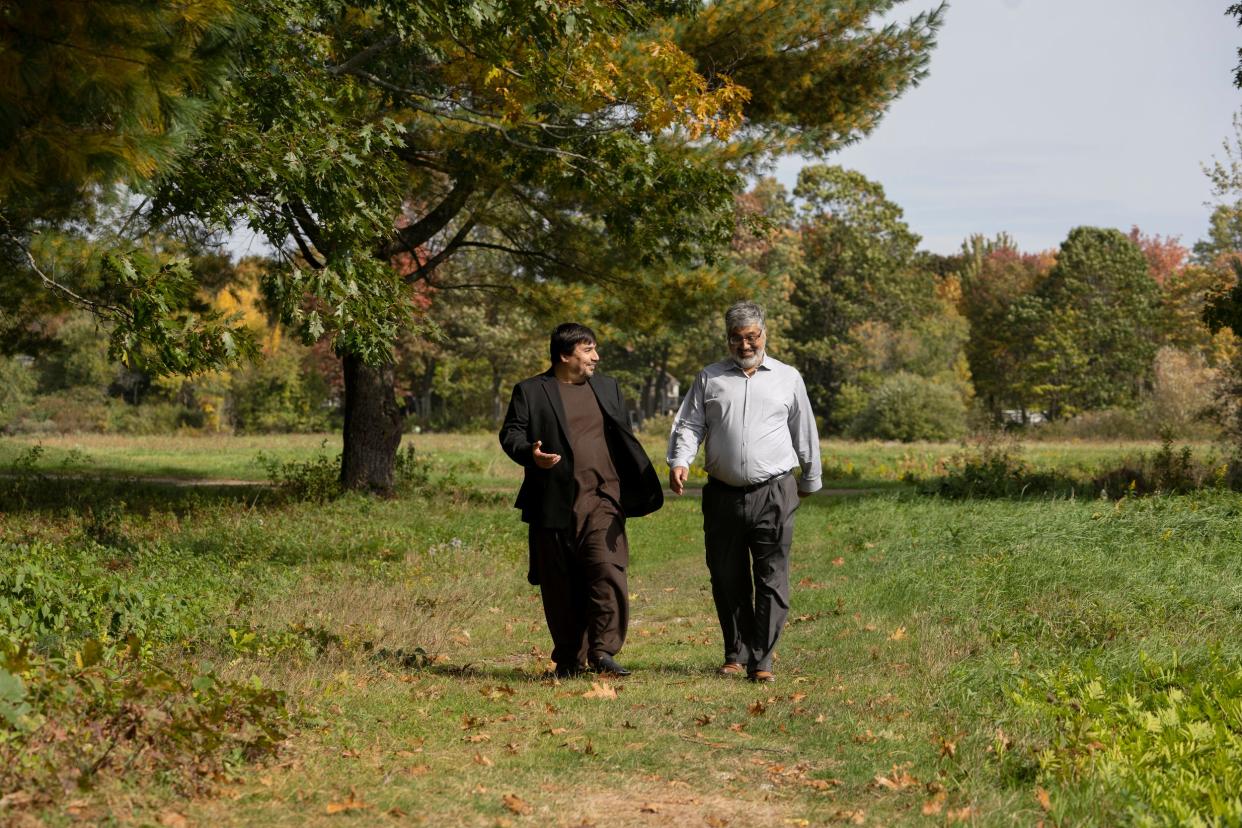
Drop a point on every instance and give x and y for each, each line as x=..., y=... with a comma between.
x=582, y=569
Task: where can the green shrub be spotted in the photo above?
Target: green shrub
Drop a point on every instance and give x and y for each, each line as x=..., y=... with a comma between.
x=1165, y=742
x=279, y=394
x=1167, y=471
x=108, y=712
x=907, y=407
x=993, y=468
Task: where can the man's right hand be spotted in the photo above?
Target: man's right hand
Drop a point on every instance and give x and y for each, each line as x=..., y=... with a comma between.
x=543, y=461
x=677, y=479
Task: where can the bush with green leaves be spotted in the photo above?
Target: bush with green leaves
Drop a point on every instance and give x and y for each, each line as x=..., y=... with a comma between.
x=908, y=407
x=65, y=723
x=1161, y=745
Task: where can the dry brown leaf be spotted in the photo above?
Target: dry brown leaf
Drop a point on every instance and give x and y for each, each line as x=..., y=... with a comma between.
x=851, y=817
x=898, y=779
x=934, y=805
x=499, y=691
x=172, y=819
x=600, y=690
x=349, y=803
x=757, y=709
x=705, y=719
x=476, y=738
x=649, y=808
x=480, y=759
x=515, y=804
x=418, y=770
x=715, y=821
x=961, y=814
x=897, y=634
x=556, y=731
x=838, y=561
x=737, y=727
x=948, y=747
x=797, y=697
x=1041, y=796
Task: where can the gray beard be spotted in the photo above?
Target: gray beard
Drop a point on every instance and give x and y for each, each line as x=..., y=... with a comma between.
x=750, y=362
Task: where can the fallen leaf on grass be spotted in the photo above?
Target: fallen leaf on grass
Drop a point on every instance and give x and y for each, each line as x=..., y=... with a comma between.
x=822, y=784
x=961, y=814
x=716, y=822
x=648, y=808
x=838, y=561
x=349, y=803
x=898, y=634
x=600, y=690
x=737, y=727
x=172, y=819
x=934, y=805
x=499, y=691
x=517, y=805
x=897, y=780
x=757, y=708
x=475, y=738
x=1041, y=796
x=705, y=719
x=396, y=813
x=851, y=817
x=418, y=770
x=948, y=747
x=480, y=759
x=17, y=799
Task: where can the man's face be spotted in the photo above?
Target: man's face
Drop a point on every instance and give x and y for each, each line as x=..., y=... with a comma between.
x=746, y=346
x=582, y=361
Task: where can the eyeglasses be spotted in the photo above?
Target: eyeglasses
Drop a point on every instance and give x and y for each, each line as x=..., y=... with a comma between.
x=750, y=339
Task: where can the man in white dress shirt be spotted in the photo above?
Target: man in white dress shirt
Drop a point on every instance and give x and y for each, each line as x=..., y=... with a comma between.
x=753, y=414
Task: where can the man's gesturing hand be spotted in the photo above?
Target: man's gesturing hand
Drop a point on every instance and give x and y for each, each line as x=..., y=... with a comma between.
x=677, y=479
x=544, y=461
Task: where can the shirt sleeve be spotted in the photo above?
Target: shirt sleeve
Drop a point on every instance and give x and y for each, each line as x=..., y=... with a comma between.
x=805, y=436
x=689, y=426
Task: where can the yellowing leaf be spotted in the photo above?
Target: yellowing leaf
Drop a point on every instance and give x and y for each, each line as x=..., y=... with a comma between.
x=517, y=805
x=349, y=803
x=600, y=690
x=898, y=634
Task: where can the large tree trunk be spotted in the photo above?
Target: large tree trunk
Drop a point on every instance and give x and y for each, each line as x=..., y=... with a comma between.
x=372, y=426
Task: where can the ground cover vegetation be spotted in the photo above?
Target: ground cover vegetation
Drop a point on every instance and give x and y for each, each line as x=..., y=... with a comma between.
x=249, y=656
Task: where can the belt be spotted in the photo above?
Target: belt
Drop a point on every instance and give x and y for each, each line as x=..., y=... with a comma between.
x=748, y=488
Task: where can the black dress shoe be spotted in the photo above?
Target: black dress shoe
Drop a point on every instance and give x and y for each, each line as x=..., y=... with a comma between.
x=607, y=665
x=567, y=671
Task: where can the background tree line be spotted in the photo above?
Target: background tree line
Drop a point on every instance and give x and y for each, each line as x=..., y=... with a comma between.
x=1112, y=331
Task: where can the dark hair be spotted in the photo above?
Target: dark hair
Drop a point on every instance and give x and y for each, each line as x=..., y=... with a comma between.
x=566, y=338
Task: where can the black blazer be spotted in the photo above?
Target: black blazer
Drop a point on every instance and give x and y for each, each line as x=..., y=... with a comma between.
x=547, y=495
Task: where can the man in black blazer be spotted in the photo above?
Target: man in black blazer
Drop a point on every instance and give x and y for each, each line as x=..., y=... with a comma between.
x=585, y=474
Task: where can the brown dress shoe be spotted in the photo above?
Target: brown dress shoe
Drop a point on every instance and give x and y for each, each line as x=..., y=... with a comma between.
x=730, y=668
x=761, y=677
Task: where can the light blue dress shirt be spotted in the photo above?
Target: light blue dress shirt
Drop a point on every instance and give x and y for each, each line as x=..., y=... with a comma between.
x=755, y=427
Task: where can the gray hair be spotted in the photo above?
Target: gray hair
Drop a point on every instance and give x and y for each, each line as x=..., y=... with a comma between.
x=742, y=315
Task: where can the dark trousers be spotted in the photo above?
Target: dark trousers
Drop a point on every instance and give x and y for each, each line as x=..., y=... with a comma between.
x=583, y=584
x=748, y=535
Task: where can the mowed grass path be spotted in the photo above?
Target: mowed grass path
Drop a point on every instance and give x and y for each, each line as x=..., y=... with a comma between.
x=914, y=621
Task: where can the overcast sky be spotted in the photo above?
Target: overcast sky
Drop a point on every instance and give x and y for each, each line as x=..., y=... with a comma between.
x=1043, y=115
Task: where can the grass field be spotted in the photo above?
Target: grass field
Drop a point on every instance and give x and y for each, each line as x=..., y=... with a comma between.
x=982, y=662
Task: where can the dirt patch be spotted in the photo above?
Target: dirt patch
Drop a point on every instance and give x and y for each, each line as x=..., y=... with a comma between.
x=651, y=803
